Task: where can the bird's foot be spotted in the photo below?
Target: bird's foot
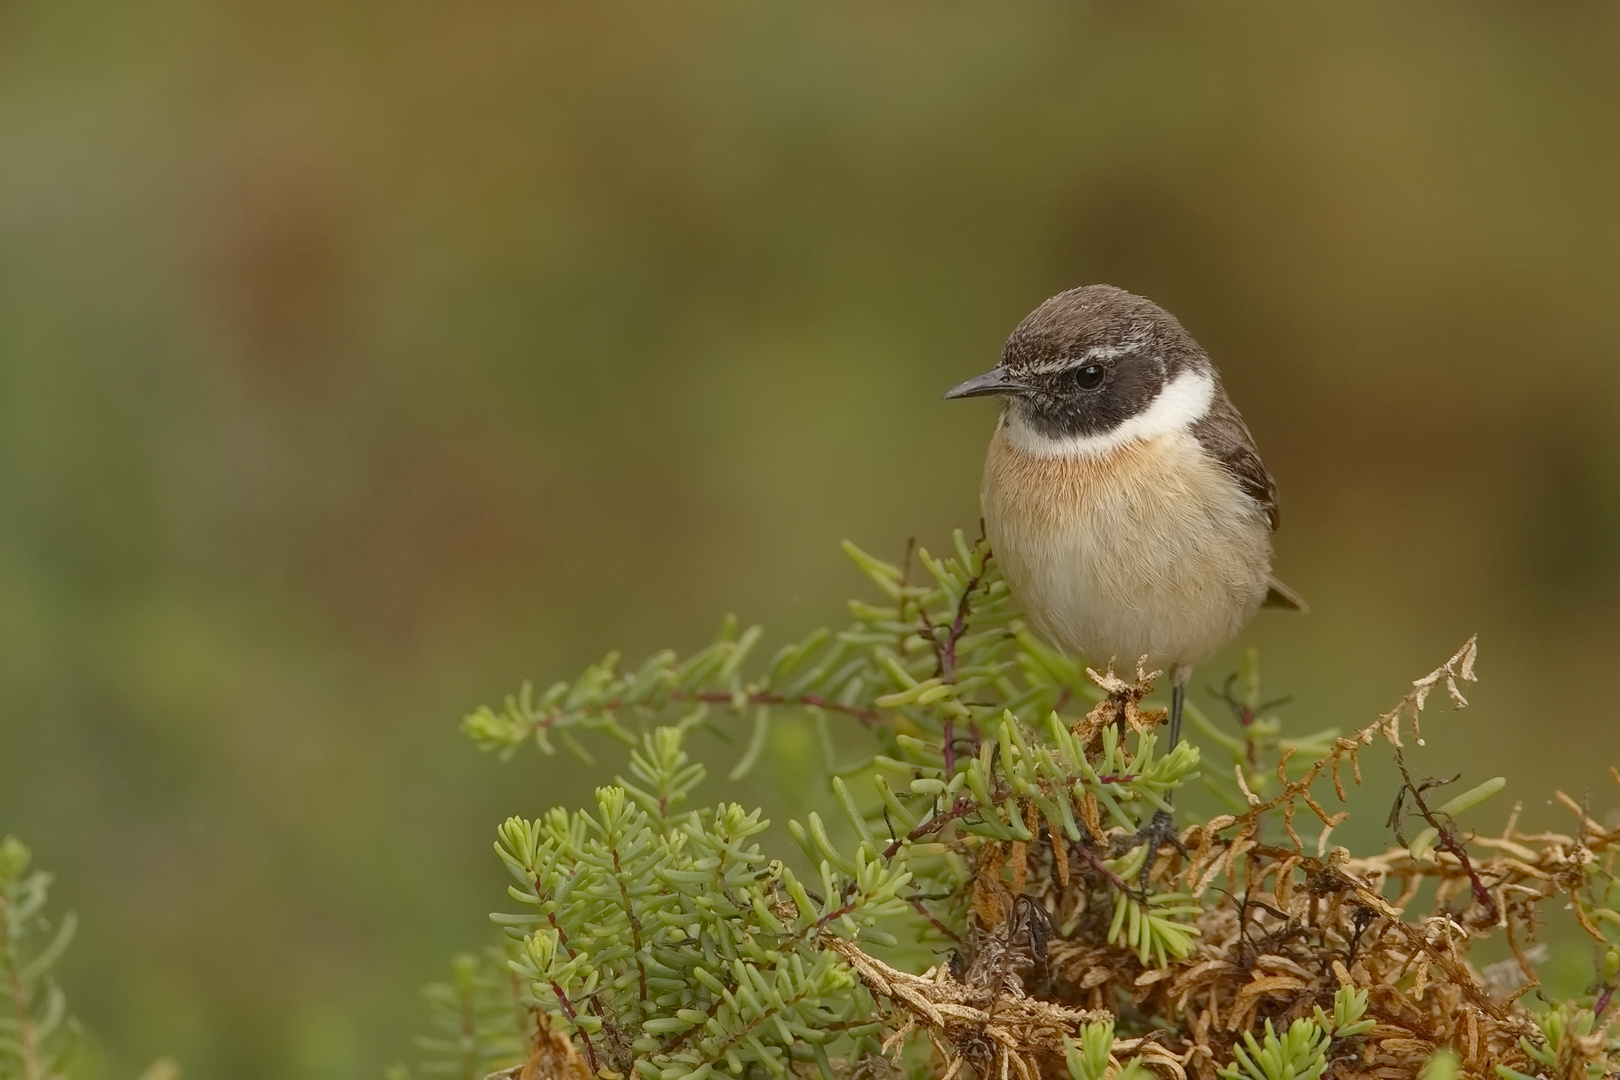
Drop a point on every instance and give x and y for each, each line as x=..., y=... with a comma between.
x=1154, y=835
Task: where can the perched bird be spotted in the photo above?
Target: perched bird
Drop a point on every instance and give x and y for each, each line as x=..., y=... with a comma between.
x=1123, y=496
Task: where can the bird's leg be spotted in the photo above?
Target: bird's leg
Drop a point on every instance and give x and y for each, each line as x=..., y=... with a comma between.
x=1179, y=677
x=1162, y=829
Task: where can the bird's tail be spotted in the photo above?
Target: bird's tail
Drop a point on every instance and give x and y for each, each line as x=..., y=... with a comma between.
x=1281, y=596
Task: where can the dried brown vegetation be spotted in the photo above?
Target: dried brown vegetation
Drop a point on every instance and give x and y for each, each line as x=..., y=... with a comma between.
x=1295, y=922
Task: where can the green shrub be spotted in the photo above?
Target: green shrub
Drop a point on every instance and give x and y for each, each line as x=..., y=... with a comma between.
x=998, y=816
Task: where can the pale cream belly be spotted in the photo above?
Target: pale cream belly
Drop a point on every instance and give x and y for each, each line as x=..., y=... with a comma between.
x=1151, y=550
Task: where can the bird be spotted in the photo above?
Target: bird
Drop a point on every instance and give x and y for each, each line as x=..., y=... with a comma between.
x=1123, y=497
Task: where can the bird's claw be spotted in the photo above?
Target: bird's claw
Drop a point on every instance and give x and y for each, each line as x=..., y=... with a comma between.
x=1154, y=835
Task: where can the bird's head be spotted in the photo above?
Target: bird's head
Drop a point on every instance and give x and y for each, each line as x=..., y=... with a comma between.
x=1096, y=366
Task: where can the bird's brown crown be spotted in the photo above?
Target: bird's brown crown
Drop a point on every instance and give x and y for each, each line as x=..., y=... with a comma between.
x=1090, y=359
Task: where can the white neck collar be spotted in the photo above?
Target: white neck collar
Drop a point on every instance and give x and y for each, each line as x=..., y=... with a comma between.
x=1184, y=401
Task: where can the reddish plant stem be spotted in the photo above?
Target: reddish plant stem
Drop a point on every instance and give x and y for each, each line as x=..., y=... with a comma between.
x=867, y=717
x=562, y=998
x=19, y=998
x=941, y=927
x=635, y=923
x=1102, y=868
x=568, y=1011
x=947, y=656
x=960, y=808
x=814, y=701
x=831, y=917
x=1447, y=841
x=25, y=1026
x=1482, y=895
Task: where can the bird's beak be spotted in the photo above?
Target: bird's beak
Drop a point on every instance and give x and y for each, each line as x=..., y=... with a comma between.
x=991, y=382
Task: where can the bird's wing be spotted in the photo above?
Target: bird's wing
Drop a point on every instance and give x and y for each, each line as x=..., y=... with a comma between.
x=1225, y=437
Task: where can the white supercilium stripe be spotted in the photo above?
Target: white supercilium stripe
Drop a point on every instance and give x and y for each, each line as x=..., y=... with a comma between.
x=1184, y=400
x=1094, y=355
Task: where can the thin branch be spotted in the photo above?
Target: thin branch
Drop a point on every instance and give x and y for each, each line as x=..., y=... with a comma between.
x=868, y=717
x=934, y=921
x=27, y=1048
x=1447, y=841
x=635, y=924
x=562, y=998
x=573, y=1018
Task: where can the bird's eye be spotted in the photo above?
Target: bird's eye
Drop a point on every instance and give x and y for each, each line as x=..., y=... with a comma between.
x=1089, y=377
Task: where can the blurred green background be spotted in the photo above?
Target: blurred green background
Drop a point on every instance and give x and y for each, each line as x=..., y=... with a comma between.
x=360, y=360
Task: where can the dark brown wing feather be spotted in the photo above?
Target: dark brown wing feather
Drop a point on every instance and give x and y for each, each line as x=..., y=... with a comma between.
x=1225, y=437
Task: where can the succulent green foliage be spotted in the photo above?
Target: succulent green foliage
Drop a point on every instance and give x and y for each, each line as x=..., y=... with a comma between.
x=917, y=657
x=1349, y=1008
x=1155, y=930
x=1443, y=1064
x=669, y=943
x=960, y=702
x=1422, y=846
x=1091, y=1058
x=478, y=1020
x=1563, y=1027
x=1301, y=1052
x=666, y=941
x=1605, y=915
x=36, y=1032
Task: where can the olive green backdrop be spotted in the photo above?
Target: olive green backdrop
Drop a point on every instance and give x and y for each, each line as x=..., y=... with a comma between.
x=359, y=360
